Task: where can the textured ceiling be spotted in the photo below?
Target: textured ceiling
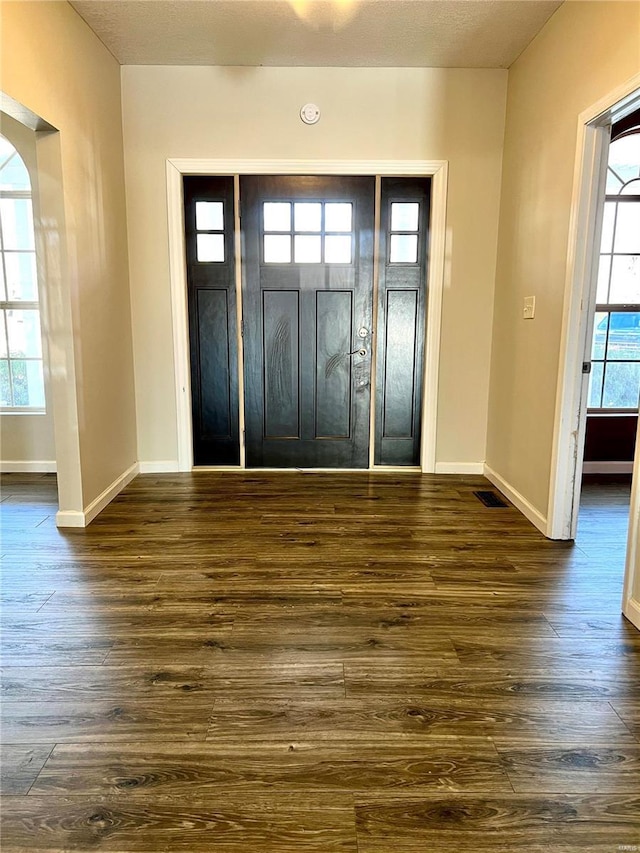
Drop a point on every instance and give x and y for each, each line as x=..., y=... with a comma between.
x=422, y=33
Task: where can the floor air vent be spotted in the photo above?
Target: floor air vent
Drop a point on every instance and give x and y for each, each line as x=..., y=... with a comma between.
x=490, y=499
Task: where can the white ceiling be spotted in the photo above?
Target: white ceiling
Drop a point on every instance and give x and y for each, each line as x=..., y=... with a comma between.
x=422, y=33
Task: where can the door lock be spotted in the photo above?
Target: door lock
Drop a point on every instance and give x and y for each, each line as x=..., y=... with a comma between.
x=363, y=332
x=361, y=352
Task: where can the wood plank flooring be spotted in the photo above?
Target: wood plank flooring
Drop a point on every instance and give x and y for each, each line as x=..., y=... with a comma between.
x=270, y=663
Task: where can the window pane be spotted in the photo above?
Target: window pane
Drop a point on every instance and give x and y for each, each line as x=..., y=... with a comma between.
x=621, y=383
x=613, y=183
x=595, y=385
x=625, y=280
x=14, y=175
x=3, y=291
x=17, y=223
x=307, y=216
x=210, y=248
x=307, y=250
x=632, y=188
x=19, y=382
x=404, y=249
x=603, y=279
x=338, y=216
x=4, y=352
x=277, y=249
x=22, y=281
x=624, y=336
x=607, y=226
x=35, y=384
x=337, y=249
x=277, y=216
x=624, y=157
x=23, y=328
x=404, y=216
x=599, y=334
x=5, y=388
x=627, y=237
x=209, y=216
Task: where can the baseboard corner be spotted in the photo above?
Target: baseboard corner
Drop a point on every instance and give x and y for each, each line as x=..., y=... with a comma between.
x=518, y=500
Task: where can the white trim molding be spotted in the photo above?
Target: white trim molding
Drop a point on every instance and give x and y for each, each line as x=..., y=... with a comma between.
x=163, y=466
x=519, y=501
x=33, y=466
x=631, y=610
x=437, y=273
x=72, y=518
x=459, y=468
x=607, y=468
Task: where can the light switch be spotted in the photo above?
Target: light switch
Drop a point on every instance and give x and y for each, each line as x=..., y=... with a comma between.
x=529, y=310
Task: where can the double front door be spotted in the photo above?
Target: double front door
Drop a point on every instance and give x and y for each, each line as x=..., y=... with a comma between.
x=307, y=321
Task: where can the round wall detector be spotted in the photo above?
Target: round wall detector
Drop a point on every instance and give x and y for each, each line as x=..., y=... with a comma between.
x=310, y=114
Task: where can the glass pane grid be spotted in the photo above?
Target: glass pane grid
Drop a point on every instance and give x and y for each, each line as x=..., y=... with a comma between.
x=307, y=232
x=21, y=365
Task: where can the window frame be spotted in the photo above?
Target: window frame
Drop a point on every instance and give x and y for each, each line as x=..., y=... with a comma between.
x=20, y=304
x=610, y=308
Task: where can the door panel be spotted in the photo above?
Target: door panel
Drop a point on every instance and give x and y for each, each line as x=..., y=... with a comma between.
x=308, y=267
x=404, y=241
x=209, y=222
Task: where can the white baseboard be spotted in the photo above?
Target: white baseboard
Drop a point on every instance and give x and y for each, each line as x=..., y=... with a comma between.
x=72, y=518
x=518, y=500
x=459, y=467
x=164, y=466
x=631, y=610
x=607, y=468
x=28, y=466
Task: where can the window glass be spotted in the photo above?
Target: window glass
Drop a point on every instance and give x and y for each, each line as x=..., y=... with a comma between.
x=210, y=248
x=21, y=371
x=404, y=249
x=404, y=216
x=209, y=216
x=338, y=216
x=337, y=249
x=277, y=249
x=615, y=370
x=277, y=216
x=307, y=249
x=307, y=216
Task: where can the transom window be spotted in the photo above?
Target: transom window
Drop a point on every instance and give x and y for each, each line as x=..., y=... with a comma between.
x=21, y=371
x=307, y=232
x=615, y=369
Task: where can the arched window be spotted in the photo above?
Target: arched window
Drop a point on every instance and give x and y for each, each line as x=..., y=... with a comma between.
x=21, y=373
x=615, y=370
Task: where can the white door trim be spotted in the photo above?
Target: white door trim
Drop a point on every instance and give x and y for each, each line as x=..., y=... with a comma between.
x=436, y=169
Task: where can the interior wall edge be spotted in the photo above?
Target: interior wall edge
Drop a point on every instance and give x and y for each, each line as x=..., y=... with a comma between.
x=517, y=499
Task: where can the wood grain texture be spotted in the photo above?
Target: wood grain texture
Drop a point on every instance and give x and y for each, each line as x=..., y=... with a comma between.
x=291, y=662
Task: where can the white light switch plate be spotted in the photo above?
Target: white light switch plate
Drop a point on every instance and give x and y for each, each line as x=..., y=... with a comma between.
x=529, y=309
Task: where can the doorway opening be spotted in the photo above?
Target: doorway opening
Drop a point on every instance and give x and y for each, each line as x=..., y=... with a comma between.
x=599, y=372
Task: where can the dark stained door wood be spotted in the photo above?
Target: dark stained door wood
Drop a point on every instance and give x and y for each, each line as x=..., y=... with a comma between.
x=307, y=368
x=209, y=229
x=404, y=242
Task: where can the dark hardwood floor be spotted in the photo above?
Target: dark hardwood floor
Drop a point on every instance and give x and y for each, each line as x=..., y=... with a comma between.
x=301, y=662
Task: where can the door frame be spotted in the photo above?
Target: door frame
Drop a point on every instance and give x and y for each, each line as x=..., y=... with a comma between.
x=585, y=226
x=437, y=273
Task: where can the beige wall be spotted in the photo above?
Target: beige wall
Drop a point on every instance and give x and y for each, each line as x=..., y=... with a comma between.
x=393, y=114
x=23, y=437
x=584, y=52
x=55, y=66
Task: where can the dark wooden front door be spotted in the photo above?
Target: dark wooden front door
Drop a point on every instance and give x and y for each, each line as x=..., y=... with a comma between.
x=307, y=310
